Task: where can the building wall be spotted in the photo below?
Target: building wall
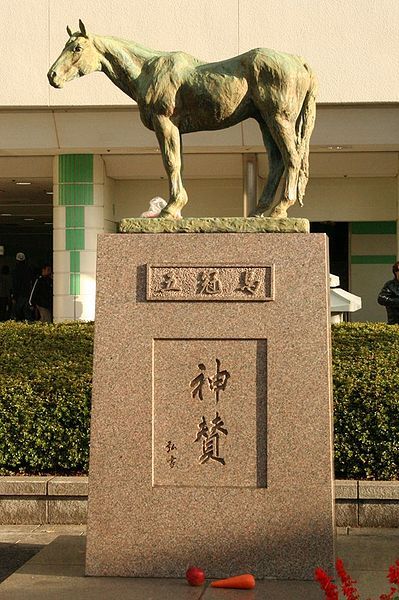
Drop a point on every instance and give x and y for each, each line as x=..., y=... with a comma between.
x=357, y=112
x=369, y=205
x=352, y=46
x=327, y=199
x=349, y=199
x=208, y=198
x=373, y=252
x=81, y=211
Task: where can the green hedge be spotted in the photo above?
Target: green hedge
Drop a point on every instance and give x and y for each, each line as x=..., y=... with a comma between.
x=45, y=394
x=366, y=400
x=45, y=391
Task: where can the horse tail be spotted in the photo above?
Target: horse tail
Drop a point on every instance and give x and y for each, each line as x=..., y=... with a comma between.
x=304, y=128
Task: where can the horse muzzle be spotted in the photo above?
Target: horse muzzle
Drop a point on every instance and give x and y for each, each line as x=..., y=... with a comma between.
x=54, y=80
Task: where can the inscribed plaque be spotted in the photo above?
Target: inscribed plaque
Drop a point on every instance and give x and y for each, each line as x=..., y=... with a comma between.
x=210, y=283
x=209, y=412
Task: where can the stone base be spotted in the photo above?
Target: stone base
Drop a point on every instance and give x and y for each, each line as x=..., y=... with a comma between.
x=211, y=425
x=215, y=225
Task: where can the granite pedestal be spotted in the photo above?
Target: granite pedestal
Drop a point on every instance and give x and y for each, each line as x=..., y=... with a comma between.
x=212, y=404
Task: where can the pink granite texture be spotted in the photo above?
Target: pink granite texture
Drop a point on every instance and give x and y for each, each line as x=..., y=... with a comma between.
x=226, y=465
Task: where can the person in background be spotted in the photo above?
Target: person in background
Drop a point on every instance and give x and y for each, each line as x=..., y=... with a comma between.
x=42, y=295
x=389, y=296
x=5, y=293
x=22, y=280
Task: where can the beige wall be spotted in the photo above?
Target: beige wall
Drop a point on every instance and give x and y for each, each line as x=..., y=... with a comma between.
x=351, y=45
x=208, y=198
x=349, y=199
x=367, y=279
x=366, y=282
x=327, y=199
x=120, y=130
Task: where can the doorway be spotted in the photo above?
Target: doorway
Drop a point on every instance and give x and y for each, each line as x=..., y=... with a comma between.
x=338, y=243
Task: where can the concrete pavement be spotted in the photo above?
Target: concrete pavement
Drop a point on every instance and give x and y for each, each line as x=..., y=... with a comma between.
x=51, y=567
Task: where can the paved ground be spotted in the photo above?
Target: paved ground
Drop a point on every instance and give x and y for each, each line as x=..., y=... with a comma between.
x=19, y=543
x=47, y=563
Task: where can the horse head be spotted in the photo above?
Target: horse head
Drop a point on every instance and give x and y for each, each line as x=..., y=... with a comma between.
x=79, y=57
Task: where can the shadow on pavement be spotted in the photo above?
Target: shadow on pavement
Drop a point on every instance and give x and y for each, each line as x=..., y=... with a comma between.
x=13, y=556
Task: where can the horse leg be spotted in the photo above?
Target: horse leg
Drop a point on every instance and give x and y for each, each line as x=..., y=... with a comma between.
x=170, y=144
x=276, y=169
x=283, y=132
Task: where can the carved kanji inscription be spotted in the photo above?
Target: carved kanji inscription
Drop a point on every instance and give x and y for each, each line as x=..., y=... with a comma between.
x=209, y=412
x=220, y=283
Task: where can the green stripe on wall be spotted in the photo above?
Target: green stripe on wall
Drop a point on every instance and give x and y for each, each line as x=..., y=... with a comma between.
x=74, y=261
x=74, y=239
x=75, y=194
x=370, y=227
x=75, y=216
x=76, y=190
x=74, y=284
x=373, y=259
x=75, y=168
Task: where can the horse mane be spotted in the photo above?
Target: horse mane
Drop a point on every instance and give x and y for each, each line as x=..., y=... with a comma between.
x=154, y=69
x=124, y=51
x=119, y=46
x=160, y=72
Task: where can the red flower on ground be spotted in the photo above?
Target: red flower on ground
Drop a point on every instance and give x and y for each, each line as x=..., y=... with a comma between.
x=393, y=574
x=348, y=584
x=326, y=584
x=389, y=596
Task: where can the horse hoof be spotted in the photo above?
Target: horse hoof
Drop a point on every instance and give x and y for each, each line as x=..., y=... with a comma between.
x=164, y=214
x=279, y=214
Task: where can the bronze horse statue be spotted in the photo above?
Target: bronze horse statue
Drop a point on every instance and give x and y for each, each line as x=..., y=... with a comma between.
x=176, y=94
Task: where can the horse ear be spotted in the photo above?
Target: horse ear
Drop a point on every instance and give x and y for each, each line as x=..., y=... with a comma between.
x=82, y=28
x=69, y=32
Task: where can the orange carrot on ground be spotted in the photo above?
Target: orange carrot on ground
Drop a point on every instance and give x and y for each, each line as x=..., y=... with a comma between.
x=239, y=582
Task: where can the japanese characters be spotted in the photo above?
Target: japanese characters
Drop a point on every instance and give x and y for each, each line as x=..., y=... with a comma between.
x=210, y=284
x=209, y=437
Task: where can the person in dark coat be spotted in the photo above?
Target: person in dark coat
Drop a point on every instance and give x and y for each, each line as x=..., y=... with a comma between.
x=42, y=295
x=389, y=296
x=22, y=280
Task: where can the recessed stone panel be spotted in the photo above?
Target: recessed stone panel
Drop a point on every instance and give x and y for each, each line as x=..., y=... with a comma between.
x=209, y=412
